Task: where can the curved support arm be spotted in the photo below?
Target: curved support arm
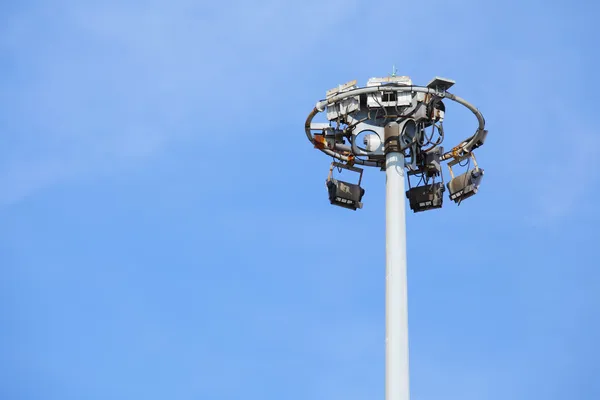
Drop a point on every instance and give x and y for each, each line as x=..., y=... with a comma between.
x=464, y=146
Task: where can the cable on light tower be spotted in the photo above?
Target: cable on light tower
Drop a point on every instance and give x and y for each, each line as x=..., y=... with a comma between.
x=396, y=126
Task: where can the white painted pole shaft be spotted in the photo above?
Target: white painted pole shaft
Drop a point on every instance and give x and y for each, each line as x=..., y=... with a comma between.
x=396, y=299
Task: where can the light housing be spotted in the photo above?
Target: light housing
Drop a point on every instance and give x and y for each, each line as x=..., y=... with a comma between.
x=426, y=197
x=344, y=194
x=465, y=185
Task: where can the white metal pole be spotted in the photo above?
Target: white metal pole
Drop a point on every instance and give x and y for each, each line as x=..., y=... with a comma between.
x=396, y=299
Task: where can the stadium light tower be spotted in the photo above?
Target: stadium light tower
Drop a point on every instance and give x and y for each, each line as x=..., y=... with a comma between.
x=393, y=117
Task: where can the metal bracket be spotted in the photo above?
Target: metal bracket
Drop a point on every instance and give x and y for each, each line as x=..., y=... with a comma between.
x=460, y=159
x=347, y=167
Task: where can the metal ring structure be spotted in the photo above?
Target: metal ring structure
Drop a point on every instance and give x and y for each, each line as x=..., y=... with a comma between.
x=459, y=149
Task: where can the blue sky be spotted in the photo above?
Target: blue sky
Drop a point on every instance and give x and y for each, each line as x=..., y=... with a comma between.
x=164, y=225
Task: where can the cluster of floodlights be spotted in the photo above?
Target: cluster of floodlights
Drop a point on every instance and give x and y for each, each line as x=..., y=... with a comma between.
x=361, y=118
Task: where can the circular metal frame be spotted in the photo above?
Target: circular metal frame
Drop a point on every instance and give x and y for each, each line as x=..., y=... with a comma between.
x=461, y=148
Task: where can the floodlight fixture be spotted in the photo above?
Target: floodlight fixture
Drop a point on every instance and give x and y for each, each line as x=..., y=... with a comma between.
x=344, y=194
x=426, y=197
x=465, y=185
